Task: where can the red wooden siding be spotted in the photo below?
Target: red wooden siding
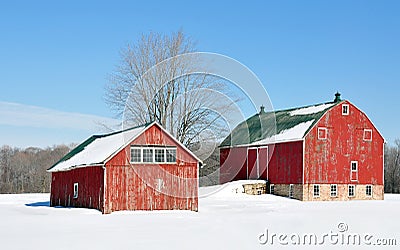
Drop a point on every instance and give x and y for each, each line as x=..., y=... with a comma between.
x=286, y=164
x=233, y=164
x=90, y=188
x=328, y=161
x=257, y=162
x=136, y=186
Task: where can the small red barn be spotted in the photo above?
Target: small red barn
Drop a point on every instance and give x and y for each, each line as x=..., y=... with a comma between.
x=329, y=151
x=142, y=168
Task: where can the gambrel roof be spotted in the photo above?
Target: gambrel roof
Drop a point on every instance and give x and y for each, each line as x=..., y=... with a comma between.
x=277, y=126
x=98, y=149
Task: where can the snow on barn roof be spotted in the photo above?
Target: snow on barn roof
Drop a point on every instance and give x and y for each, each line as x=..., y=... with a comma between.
x=277, y=126
x=97, y=149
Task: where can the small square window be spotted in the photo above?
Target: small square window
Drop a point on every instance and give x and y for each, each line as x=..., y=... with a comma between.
x=171, y=155
x=345, y=109
x=367, y=135
x=322, y=133
x=148, y=155
x=159, y=154
x=272, y=189
x=368, y=190
x=76, y=186
x=351, y=190
x=316, y=191
x=334, y=190
x=136, y=154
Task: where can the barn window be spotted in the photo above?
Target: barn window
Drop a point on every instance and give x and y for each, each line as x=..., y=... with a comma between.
x=291, y=191
x=148, y=155
x=159, y=154
x=171, y=154
x=354, y=166
x=345, y=109
x=354, y=170
x=316, y=191
x=368, y=190
x=367, y=135
x=352, y=190
x=136, y=155
x=322, y=133
x=76, y=190
x=272, y=189
x=334, y=190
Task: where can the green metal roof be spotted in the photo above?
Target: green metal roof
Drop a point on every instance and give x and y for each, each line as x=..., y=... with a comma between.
x=266, y=125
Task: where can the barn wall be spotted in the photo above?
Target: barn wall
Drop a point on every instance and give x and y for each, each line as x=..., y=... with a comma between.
x=283, y=190
x=342, y=193
x=285, y=163
x=233, y=164
x=90, y=188
x=328, y=161
x=152, y=186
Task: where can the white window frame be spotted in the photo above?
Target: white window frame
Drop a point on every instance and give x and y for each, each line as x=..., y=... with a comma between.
x=354, y=190
x=366, y=190
x=162, y=155
x=272, y=189
x=76, y=190
x=316, y=187
x=351, y=165
x=353, y=171
x=166, y=154
x=365, y=131
x=335, y=192
x=152, y=155
x=347, y=109
x=141, y=154
x=154, y=148
x=326, y=133
x=291, y=190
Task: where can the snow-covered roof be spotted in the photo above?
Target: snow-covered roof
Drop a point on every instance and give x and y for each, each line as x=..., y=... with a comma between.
x=294, y=133
x=311, y=109
x=97, y=149
x=278, y=126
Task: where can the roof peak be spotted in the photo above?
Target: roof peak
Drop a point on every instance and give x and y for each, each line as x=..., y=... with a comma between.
x=122, y=130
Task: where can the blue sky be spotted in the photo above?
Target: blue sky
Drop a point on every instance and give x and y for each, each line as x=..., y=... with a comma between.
x=55, y=57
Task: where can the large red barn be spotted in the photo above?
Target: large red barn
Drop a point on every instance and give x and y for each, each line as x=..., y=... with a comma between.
x=329, y=151
x=142, y=168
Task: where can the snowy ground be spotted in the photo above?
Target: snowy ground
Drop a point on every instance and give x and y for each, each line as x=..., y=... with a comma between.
x=226, y=220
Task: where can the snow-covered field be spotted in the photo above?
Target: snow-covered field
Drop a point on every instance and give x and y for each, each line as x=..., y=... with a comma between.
x=226, y=220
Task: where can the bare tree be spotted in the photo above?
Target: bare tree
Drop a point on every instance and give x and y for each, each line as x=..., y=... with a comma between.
x=392, y=168
x=154, y=83
x=24, y=170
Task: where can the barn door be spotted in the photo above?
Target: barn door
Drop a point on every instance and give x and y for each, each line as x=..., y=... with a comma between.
x=252, y=164
x=257, y=161
x=263, y=162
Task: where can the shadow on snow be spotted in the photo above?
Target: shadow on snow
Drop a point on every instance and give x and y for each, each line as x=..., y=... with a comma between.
x=43, y=204
x=39, y=204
